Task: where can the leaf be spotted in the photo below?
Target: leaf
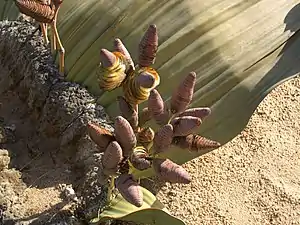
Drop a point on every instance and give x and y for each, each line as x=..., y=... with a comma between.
x=151, y=212
x=240, y=50
x=229, y=44
x=8, y=10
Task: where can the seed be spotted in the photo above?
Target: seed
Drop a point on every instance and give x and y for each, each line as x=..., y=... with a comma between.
x=170, y=171
x=148, y=47
x=101, y=136
x=157, y=108
x=129, y=189
x=195, y=142
x=128, y=112
x=183, y=95
x=185, y=125
x=163, y=138
x=124, y=135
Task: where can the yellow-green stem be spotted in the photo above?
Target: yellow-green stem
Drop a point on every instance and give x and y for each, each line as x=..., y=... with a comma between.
x=110, y=189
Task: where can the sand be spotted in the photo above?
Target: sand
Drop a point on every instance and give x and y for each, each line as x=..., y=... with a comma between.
x=255, y=178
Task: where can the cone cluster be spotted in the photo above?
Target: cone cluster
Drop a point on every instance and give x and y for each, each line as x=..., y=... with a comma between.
x=38, y=10
x=134, y=145
x=178, y=124
x=45, y=12
x=121, y=152
x=117, y=69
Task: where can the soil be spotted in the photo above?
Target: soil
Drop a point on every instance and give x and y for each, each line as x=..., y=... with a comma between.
x=30, y=179
x=254, y=179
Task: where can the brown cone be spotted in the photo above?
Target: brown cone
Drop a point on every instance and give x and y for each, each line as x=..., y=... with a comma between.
x=124, y=135
x=156, y=107
x=170, y=171
x=101, y=136
x=120, y=47
x=163, y=138
x=183, y=95
x=145, y=80
x=185, y=125
x=112, y=156
x=148, y=47
x=107, y=58
x=129, y=189
x=128, y=112
x=195, y=143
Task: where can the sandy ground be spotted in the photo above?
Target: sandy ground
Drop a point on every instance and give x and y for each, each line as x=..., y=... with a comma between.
x=31, y=187
x=254, y=179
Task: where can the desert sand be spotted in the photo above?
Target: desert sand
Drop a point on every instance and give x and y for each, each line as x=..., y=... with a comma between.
x=255, y=178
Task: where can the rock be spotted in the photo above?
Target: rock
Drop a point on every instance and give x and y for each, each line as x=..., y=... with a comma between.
x=4, y=159
x=29, y=64
x=59, y=110
x=3, y=138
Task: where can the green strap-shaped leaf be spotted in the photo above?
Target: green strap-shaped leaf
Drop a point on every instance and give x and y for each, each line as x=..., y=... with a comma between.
x=220, y=40
x=8, y=10
x=151, y=212
x=240, y=50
